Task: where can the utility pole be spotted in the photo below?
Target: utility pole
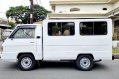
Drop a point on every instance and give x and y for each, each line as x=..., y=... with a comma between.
x=31, y=11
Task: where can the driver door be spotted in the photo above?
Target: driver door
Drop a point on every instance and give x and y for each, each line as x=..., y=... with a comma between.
x=22, y=40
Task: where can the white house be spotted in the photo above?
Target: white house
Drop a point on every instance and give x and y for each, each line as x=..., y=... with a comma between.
x=81, y=7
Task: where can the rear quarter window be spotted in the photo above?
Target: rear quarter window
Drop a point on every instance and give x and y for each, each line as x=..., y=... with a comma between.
x=93, y=28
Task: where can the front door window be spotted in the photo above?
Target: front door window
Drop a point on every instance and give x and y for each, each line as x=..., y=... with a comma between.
x=25, y=33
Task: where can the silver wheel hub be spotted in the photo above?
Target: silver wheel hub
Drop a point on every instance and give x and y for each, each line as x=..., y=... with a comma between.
x=85, y=62
x=26, y=62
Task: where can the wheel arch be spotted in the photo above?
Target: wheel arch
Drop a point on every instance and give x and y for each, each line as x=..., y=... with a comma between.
x=86, y=54
x=21, y=53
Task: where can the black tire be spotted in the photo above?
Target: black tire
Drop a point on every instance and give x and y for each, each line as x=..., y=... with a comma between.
x=84, y=62
x=26, y=60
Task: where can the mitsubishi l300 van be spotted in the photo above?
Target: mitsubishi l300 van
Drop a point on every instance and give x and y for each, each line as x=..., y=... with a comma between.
x=80, y=40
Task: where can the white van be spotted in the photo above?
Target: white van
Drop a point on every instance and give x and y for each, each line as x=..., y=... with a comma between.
x=80, y=40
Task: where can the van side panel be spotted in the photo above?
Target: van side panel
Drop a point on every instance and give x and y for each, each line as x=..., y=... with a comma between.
x=69, y=47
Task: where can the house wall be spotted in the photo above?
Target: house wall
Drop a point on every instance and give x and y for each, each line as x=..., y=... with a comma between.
x=116, y=5
x=84, y=8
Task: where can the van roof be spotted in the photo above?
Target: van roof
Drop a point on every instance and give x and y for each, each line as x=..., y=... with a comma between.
x=29, y=24
x=73, y=20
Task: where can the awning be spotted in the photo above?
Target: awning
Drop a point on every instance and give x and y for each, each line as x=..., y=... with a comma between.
x=4, y=23
x=4, y=26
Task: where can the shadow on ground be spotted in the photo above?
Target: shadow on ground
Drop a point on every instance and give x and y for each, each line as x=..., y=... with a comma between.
x=100, y=66
x=69, y=65
x=12, y=66
x=58, y=65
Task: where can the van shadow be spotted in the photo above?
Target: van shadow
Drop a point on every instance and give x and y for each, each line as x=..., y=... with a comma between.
x=58, y=65
x=12, y=66
x=100, y=66
x=68, y=65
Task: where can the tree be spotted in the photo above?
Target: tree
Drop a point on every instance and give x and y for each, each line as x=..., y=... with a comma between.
x=22, y=13
x=19, y=13
x=12, y=24
x=39, y=13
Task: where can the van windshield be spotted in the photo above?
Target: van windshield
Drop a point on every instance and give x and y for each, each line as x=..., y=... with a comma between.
x=23, y=32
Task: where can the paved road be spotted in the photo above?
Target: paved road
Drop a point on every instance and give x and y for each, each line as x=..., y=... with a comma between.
x=53, y=70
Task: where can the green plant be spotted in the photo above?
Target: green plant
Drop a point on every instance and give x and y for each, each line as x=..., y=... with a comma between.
x=55, y=29
x=12, y=24
x=21, y=13
x=115, y=51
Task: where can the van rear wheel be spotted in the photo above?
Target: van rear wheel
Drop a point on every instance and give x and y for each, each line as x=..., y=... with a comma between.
x=26, y=62
x=84, y=62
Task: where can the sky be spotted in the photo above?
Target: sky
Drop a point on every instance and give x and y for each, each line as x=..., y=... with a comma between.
x=5, y=4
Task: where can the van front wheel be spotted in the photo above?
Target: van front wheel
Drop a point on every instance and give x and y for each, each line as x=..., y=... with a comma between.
x=26, y=62
x=84, y=62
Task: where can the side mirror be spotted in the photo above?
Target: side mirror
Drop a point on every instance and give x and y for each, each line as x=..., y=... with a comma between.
x=11, y=37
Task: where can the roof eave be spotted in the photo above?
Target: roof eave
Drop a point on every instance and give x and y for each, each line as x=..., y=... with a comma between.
x=78, y=2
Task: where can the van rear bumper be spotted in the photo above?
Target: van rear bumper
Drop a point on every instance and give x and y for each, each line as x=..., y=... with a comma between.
x=97, y=60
